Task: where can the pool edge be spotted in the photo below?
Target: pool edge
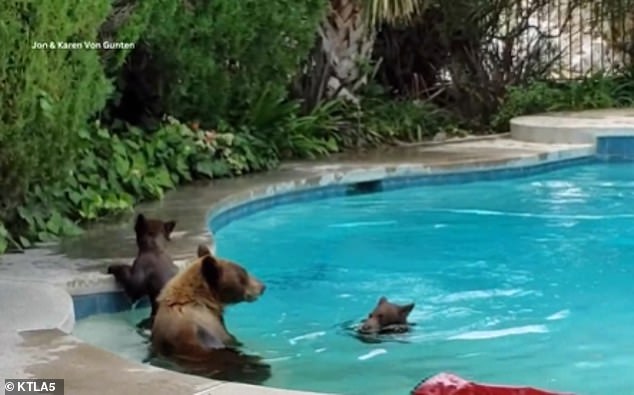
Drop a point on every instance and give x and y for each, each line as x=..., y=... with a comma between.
x=96, y=293
x=387, y=178
x=336, y=183
x=103, y=284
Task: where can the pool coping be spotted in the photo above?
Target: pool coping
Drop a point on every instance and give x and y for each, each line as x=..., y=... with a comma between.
x=338, y=178
x=387, y=178
x=336, y=182
x=581, y=127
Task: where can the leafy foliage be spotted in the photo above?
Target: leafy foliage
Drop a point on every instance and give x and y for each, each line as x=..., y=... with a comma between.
x=466, y=54
x=39, y=118
x=279, y=123
x=406, y=120
x=219, y=56
x=114, y=173
x=126, y=23
x=592, y=93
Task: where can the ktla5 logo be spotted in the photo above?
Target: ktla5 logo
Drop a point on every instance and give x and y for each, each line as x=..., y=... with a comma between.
x=29, y=386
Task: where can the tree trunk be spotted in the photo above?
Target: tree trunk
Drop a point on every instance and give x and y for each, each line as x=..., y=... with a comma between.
x=347, y=42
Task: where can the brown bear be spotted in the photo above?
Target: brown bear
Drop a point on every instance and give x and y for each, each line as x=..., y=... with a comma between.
x=152, y=267
x=189, y=327
x=386, y=317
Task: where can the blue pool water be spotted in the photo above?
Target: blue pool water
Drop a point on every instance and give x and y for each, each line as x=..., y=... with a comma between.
x=523, y=281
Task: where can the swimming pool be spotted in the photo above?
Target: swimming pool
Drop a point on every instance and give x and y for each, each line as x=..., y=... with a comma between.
x=522, y=281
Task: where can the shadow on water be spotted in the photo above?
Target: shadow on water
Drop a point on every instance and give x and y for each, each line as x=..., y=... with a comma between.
x=392, y=333
x=227, y=364
x=233, y=365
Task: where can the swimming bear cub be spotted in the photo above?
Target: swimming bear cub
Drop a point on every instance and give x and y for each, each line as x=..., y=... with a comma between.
x=189, y=327
x=386, y=317
x=152, y=268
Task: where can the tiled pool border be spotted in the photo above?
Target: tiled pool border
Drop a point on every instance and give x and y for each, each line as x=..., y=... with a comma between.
x=349, y=183
x=615, y=148
x=366, y=181
x=607, y=148
x=102, y=302
x=227, y=212
x=382, y=178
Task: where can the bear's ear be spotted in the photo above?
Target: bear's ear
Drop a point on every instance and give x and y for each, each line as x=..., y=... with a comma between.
x=382, y=300
x=210, y=270
x=203, y=250
x=140, y=225
x=168, y=228
x=406, y=309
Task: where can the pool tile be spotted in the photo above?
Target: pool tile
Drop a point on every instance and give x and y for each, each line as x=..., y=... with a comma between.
x=103, y=303
x=615, y=148
x=112, y=302
x=223, y=218
x=84, y=305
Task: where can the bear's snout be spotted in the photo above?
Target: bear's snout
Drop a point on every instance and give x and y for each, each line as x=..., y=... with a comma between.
x=369, y=326
x=255, y=290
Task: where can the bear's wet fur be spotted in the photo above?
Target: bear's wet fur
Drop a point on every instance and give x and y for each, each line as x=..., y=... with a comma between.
x=152, y=268
x=189, y=327
x=386, y=317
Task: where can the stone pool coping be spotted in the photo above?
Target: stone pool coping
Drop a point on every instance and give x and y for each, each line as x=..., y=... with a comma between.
x=583, y=127
x=35, y=287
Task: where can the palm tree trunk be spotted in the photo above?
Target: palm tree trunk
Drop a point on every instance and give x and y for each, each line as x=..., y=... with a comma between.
x=348, y=34
x=347, y=42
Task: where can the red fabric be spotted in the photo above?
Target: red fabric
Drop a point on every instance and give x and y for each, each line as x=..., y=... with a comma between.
x=449, y=384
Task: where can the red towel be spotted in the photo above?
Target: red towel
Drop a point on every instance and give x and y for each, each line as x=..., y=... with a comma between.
x=449, y=384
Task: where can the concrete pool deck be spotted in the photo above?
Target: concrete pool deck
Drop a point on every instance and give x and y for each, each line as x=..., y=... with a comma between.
x=36, y=286
x=573, y=127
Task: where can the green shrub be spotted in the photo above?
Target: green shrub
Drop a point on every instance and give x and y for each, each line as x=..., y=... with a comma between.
x=384, y=120
x=115, y=172
x=47, y=95
x=50, y=95
x=592, y=93
x=126, y=23
x=219, y=56
x=278, y=122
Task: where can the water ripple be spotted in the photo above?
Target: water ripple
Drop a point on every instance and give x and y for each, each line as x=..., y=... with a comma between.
x=482, y=335
x=531, y=215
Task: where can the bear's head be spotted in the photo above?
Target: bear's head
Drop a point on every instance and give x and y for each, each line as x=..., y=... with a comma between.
x=230, y=282
x=385, y=314
x=152, y=233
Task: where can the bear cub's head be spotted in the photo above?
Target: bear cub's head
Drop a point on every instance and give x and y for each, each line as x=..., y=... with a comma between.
x=230, y=281
x=385, y=315
x=152, y=233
